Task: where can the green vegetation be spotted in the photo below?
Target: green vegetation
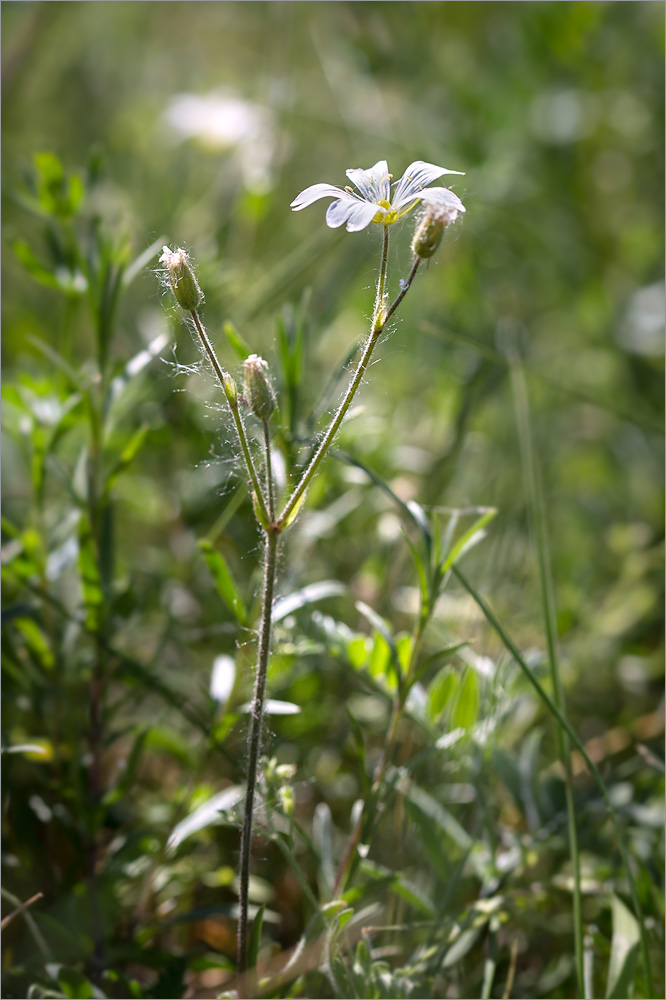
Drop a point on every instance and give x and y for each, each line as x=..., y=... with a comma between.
x=461, y=782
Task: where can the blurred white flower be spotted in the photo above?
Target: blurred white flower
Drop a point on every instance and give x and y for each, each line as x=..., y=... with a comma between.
x=223, y=121
x=375, y=203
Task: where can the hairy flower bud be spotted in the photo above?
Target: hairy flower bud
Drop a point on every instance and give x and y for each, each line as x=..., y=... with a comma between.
x=181, y=278
x=230, y=391
x=258, y=388
x=440, y=207
x=427, y=236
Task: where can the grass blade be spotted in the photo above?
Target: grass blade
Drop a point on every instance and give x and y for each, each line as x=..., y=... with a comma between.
x=577, y=742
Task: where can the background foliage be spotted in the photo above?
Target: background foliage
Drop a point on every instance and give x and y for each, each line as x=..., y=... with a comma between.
x=129, y=125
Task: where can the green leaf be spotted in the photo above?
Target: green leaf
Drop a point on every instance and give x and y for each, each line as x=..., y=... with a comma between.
x=413, y=511
x=210, y=813
x=311, y=594
x=36, y=269
x=363, y=964
x=440, y=693
x=255, y=938
x=224, y=581
x=422, y=575
x=435, y=812
x=36, y=641
x=259, y=512
x=128, y=776
x=322, y=837
x=462, y=944
x=57, y=359
x=624, y=952
x=344, y=987
x=472, y=537
x=380, y=626
x=76, y=986
x=295, y=512
x=466, y=709
x=400, y=885
x=127, y=456
x=236, y=342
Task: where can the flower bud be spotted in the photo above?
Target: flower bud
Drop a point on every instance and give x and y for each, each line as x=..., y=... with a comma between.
x=181, y=278
x=258, y=388
x=440, y=207
x=230, y=391
x=427, y=237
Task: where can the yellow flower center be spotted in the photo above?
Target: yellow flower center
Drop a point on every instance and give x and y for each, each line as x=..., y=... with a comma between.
x=391, y=215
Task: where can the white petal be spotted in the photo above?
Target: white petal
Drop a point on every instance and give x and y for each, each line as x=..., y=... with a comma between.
x=357, y=214
x=442, y=197
x=374, y=184
x=414, y=179
x=314, y=193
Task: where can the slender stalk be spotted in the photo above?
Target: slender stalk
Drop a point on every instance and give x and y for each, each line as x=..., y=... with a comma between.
x=235, y=413
x=575, y=739
x=273, y=528
x=254, y=742
x=270, y=489
x=379, y=321
x=537, y=503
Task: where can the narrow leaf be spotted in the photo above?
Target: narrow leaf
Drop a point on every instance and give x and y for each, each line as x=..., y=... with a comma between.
x=624, y=952
x=236, y=342
x=311, y=594
x=380, y=626
x=471, y=537
x=210, y=813
x=466, y=708
x=224, y=581
x=255, y=938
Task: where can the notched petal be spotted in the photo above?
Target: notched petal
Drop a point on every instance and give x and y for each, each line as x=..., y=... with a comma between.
x=417, y=175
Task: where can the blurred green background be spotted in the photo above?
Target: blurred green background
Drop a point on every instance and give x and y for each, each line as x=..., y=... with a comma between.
x=196, y=124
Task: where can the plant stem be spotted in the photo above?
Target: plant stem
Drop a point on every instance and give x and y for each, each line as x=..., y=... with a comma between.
x=235, y=412
x=379, y=321
x=254, y=742
x=575, y=739
x=270, y=490
x=273, y=528
x=537, y=503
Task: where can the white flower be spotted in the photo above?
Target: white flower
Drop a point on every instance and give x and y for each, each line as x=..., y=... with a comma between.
x=221, y=120
x=375, y=203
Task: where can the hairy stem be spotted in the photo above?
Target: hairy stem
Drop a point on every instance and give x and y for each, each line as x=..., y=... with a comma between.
x=381, y=315
x=254, y=742
x=235, y=413
x=379, y=321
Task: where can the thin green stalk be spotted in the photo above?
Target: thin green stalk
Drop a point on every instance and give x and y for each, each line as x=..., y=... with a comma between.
x=538, y=506
x=254, y=741
x=235, y=413
x=379, y=321
x=381, y=315
x=573, y=736
x=270, y=488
